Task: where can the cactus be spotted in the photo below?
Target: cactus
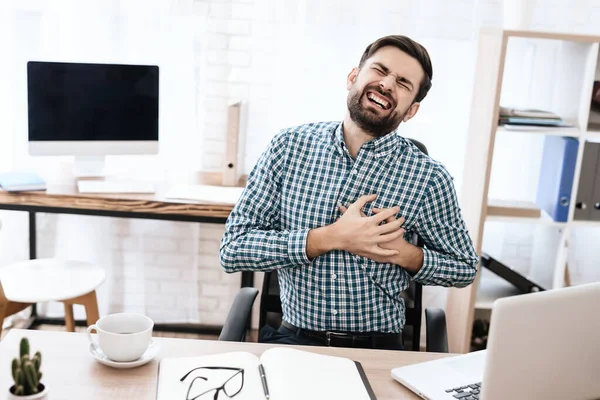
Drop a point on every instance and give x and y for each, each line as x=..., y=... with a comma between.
x=14, y=367
x=24, y=347
x=26, y=371
x=19, y=377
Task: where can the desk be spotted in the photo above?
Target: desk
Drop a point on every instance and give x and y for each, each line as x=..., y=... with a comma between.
x=65, y=199
x=70, y=372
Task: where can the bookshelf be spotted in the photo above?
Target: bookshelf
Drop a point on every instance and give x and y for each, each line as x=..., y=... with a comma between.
x=520, y=62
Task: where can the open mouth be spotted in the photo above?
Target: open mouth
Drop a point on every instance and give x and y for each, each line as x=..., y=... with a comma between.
x=379, y=101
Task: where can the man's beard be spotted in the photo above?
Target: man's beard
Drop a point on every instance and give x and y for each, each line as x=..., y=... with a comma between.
x=368, y=121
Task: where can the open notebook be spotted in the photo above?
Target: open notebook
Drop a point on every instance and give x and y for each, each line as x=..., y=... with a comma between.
x=290, y=375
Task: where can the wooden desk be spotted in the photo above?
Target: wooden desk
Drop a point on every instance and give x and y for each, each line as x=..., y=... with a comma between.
x=65, y=199
x=70, y=372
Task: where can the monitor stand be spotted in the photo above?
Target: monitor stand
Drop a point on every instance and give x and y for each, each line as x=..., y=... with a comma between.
x=89, y=166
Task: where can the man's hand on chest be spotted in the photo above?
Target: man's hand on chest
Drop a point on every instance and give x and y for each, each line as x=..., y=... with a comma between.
x=369, y=241
x=361, y=235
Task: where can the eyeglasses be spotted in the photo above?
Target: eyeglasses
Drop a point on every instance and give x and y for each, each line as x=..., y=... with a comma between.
x=231, y=387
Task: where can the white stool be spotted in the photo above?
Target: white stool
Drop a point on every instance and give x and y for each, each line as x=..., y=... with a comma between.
x=70, y=282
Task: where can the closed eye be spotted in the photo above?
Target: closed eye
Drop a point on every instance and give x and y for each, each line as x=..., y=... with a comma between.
x=402, y=84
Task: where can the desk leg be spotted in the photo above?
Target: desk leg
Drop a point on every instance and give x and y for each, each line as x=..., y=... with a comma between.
x=32, y=251
x=32, y=238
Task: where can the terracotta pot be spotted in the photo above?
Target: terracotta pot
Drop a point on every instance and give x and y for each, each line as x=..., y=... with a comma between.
x=41, y=395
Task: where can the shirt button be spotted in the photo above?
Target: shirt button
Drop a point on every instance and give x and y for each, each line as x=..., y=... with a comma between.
x=334, y=312
x=354, y=172
x=333, y=276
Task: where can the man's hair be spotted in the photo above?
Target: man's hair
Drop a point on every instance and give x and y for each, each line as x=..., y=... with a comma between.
x=410, y=47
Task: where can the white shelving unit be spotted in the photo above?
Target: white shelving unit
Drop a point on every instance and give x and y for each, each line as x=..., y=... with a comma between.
x=545, y=219
x=550, y=71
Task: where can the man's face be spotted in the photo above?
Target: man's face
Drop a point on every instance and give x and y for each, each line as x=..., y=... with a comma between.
x=381, y=93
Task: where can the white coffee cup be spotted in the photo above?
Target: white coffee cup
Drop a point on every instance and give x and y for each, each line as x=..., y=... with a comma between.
x=122, y=337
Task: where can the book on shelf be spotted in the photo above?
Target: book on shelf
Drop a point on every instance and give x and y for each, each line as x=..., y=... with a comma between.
x=513, y=208
x=594, y=117
x=596, y=95
x=21, y=181
x=551, y=123
x=524, y=117
x=280, y=373
x=509, y=112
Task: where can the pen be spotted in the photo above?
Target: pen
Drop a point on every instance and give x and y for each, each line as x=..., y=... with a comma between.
x=263, y=379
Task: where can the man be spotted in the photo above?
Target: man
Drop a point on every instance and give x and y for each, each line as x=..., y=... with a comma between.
x=328, y=205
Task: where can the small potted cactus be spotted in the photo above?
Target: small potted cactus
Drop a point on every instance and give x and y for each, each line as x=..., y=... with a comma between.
x=27, y=375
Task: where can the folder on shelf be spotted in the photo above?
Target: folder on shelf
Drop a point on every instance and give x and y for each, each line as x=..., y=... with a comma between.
x=584, y=203
x=556, y=176
x=595, y=203
x=517, y=279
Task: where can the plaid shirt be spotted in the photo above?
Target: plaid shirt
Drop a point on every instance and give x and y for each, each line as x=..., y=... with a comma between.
x=297, y=184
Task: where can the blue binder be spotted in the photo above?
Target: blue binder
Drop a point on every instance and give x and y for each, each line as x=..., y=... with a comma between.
x=556, y=176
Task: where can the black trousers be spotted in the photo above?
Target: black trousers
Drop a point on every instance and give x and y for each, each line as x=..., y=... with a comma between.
x=283, y=335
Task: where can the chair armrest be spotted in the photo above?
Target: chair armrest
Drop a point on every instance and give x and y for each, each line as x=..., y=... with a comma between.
x=436, y=334
x=234, y=329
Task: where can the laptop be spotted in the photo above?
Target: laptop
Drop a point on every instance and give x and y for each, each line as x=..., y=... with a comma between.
x=543, y=345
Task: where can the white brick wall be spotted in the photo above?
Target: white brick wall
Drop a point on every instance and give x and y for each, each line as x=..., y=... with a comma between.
x=156, y=267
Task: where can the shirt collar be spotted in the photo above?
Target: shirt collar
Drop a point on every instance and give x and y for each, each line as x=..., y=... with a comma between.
x=338, y=139
x=382, y=146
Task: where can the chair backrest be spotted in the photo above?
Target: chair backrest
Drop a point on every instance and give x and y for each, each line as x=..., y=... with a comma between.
x=234, y=329
x=270, y=302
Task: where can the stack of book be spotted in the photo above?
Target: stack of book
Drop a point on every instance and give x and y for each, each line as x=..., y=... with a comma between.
x=526, y=118
x=21, y=181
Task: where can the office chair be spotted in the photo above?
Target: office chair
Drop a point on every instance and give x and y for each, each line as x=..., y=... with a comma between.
x=435, y=318
x=234, y=329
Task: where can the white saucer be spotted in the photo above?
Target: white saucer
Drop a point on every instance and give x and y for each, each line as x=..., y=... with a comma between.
x=148, y=355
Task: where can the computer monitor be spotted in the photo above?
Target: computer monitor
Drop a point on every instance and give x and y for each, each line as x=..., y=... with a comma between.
x=92, y=110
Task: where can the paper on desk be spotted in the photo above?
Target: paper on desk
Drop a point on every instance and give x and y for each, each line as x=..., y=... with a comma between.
x=205, y=193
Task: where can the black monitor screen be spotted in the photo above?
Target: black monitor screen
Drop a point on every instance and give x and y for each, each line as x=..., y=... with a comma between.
x=73, y=101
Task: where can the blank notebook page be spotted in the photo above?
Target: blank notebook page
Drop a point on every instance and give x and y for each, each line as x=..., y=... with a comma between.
x=172, y=369
x=299, y=375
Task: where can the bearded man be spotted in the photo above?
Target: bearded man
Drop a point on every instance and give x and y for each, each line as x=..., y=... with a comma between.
x=329, y=205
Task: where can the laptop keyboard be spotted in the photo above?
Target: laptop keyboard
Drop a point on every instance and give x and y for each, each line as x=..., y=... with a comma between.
x=467, y=392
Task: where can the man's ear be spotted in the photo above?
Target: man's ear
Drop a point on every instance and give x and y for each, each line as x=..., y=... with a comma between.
x=412, y=110
x=351, y=78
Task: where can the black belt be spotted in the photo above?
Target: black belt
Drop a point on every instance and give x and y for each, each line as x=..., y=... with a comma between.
x=371, y=340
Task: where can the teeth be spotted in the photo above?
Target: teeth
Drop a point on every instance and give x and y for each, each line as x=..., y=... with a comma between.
x=379, y=100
